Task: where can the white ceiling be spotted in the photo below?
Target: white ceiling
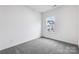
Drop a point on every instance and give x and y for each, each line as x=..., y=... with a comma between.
x=43, y=8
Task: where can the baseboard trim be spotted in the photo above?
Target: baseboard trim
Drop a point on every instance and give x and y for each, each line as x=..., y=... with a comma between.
x=18, y=44
x=59, y=41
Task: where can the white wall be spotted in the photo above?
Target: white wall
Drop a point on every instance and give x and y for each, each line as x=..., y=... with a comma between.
x=78, y=25
x=66, y=24
x=18, y=24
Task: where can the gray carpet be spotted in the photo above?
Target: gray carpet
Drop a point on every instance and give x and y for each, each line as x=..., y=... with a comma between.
x=43, y=46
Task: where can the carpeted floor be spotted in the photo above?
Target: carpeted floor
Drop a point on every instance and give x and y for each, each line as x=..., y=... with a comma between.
x=43, y=46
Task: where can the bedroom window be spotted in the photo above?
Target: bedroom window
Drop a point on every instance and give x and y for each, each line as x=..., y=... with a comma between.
x=50, y=21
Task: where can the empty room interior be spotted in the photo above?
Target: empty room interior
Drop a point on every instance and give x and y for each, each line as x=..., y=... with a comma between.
x=39, y=29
